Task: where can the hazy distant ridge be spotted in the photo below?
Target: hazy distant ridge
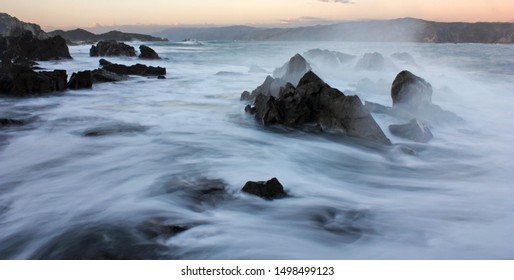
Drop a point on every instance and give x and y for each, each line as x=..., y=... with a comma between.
x=398, y=30
x=81, y=35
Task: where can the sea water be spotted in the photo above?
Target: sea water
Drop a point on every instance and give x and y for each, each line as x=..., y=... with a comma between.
x=94, y=169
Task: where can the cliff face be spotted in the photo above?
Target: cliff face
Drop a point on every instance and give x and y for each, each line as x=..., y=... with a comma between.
x=13, y=27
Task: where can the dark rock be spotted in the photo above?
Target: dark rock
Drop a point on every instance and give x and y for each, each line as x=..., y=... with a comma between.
x=11, y=122
x=147, y=53
x=103, y=76
x=104, y=62
x=328, y=58
x=410, y=92
x=112, y=48
x=155, y=228
x=81, y=80
x=291, y=72
x=137, y=69
x=21, y=81
x=114, y=129
x=415, y=130
x=377, y=108
x=315, y=102
x=271, y=189
x=28, y=46
x=161, y=77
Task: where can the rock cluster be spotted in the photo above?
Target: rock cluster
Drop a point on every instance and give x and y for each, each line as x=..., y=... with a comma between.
x=20, y=81
x=30, y=47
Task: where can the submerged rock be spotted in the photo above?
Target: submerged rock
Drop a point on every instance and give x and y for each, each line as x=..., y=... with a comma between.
x=327, y=57
x=404, y=57
x=11, y=122
x=373, y=62
x=81, y=80
x=159, y=227
x=415, y=130
x=112, y=48
x=114, y=129
x=314, y=102
x=271, y=189
x=147, y=53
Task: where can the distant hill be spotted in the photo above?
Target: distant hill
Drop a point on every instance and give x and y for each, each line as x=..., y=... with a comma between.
x=81, y=35
x=398, y=30
x=12, y=27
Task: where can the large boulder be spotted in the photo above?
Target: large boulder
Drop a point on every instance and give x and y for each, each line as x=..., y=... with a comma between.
x=30, y=47
x=112, y=48
x=411, y=92
x=269, y=190
x=415, y=130
x=147, y=53
x=20, y=81
x=313, y=102
x=81, y=80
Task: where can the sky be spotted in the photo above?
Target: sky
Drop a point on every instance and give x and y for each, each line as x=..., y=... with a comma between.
x=53, y=14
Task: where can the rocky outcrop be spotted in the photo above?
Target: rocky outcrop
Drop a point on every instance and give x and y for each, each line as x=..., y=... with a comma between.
x=404, y=57
x=327, y=57
x=19, y=81
x=28, y=46
x=81, y=80
x=104, y=76
x=291, y=72
x=373, y=62
x=147, y=53
x=112, y=48
x=313, y=102
x=137, y=69
x=269, y=190
x=13, y=27
x=415, y=130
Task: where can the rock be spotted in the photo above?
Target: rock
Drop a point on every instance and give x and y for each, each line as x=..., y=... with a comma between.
x=13, y=27
x=103, y=76
x=112, y=48
x=410, y=92
x=158, y=227
x=147, y=53
x=81, y=80
x=328, y=58
x=314, y=102
x=415, y=130
x=104, y=62
x=22, y=81
x=11, y=122
x=271, y=189
x=114, y=129
x=404, y=57
x=161, y=77
x=373, y=62
x=28, y=46
x=137, y=69
x=293, y=70
x=377, y=108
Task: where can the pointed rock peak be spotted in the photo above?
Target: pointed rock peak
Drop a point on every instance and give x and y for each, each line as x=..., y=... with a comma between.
x=310, y=77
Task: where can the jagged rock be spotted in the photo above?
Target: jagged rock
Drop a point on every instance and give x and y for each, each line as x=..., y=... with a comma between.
x=326, y=57
x=112, y=48
x=13, y=27
x=22, y=81
x=415, y=130
x=291, y=72
x=271, y=189
x=28, y=46
x=137, y=69
x=314, y=102
x=104, y=62
x=103, y=76
x=147, y=53
x=410, y=92
x=81, y=80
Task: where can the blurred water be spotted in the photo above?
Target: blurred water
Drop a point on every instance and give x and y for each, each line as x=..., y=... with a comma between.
x=65, y=195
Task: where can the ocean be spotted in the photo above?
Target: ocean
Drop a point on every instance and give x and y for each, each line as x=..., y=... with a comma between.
x=153, y=169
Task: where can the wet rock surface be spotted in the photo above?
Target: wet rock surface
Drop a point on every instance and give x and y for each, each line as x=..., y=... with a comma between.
x=147, y=53
x=411, y=92
x=415, y=130
x=30, y=47
x=21, y=81
x=114, y=129
x=81, y=80
x=269, y=190
x=137, y=69
x=315, y=102
x=112, y=48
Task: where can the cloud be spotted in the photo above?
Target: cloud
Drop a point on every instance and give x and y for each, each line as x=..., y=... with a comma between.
x=337, y=1
x=303, y=21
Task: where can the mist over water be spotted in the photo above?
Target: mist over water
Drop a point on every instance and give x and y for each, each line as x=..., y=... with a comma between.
x=95, y=167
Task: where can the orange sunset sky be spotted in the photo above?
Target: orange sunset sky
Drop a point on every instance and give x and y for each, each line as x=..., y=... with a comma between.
x=79, y=13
